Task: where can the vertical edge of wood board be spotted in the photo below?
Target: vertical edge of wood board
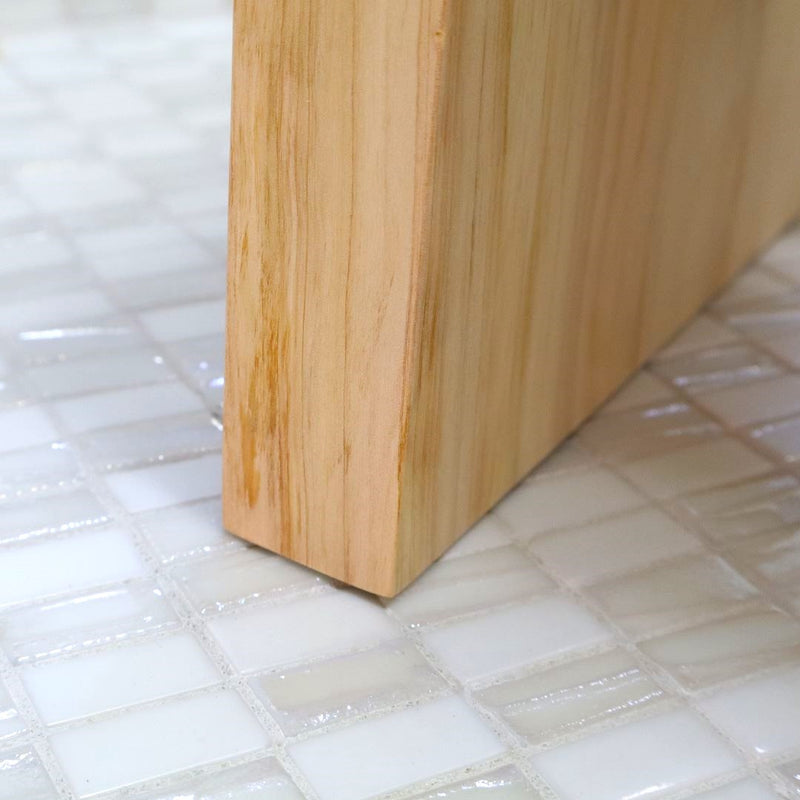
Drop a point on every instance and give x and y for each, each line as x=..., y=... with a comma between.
x=457, y=227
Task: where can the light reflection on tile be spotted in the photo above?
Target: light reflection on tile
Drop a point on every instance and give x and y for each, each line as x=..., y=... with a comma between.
x=22, y=776
x=506, y=783
x=760, y=715
x=113, y=236
x=315, y=696
x=661, y=754
x=573, y=697
x=85, y=621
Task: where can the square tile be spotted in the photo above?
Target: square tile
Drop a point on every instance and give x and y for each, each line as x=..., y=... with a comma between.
x=573, y=697
x=148, y=488
x=761, y=715
x=676, y=594
x=23, y=776
x=93, y=683
x=647, y=758
x=542, y=504
x=25, y=474
x=58, y=564
x=146, y=743
x=500, y=641
x=264, y=637
x=708, y=654
x=692, y=469
x=456, y=586
x=316, y=696
x=403, y=748
x=642, y=389
x=614, y=545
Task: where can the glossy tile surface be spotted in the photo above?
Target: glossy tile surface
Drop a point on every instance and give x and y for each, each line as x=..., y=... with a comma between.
x=625, y=624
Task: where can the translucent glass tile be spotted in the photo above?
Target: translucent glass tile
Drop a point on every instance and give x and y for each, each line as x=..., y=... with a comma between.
x=187, y=531
x=791, y=773
x=760, y=715
x=11, y=723
x=96, y=682
x=152, y=441
x=23, y=776
x=405, y=747
x=225, y=582
x=262, y=779
x=29, y=473
x=84, y=621
x=662, y=754
x=692, y=469
x=514, y=637
x=338, y=689
x=708, y=654
x=647, y=430
x=60, y=564
x=146, y=743
x=567, y=647
x=263, y=637
x=541, y=504
x=460, y=585
x=746, y=507
x=615, y=545
x=674, y=594
x=719, y=367
x=573, y=697
x=506, y=783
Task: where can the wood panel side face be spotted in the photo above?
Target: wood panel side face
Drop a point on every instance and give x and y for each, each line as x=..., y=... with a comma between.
x=587, y=173
x=330, y=131
x=770, y=192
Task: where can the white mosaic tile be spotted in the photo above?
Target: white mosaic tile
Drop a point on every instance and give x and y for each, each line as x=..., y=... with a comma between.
x=573, y=697
x=404, y=748
x=761, y=715
x=143, y=744
x=648, y=758
x=647, y=570
x=499, y=641
x=271, y=636
x=93, y=683
x=23, y=776
x=71, y=563
x=618, y=544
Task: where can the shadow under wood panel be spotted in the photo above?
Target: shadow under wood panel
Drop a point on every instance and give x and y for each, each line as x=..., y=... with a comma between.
x=457, y=227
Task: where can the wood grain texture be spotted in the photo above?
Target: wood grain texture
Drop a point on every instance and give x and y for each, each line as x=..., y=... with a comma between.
x=456, y=226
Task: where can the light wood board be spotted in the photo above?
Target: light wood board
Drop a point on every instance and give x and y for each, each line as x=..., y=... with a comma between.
x=457, y=227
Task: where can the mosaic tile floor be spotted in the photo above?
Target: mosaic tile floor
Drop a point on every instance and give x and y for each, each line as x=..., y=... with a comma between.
x=624, y=625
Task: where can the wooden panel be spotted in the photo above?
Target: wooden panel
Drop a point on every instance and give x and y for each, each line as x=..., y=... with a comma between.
x=457, y=227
